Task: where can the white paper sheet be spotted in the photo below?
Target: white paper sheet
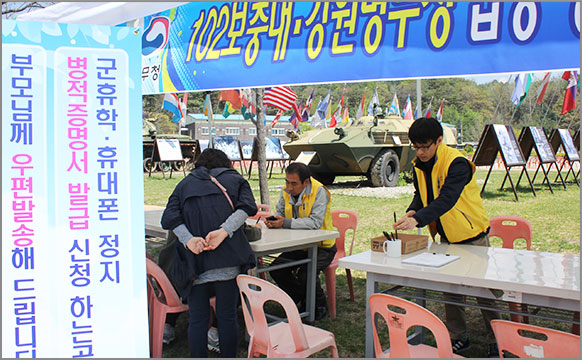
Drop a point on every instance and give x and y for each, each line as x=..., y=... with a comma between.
x=430, y=259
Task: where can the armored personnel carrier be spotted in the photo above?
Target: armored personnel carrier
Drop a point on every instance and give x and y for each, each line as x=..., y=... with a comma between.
x=378, y=148
x=149, y=133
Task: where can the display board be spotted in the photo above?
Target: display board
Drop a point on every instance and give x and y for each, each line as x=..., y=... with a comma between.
x=568, y=145
x=562, y=138
x=73, y=250
x=229, y=145
x=577, y=140
x=246, y=147
x=168, y=150
x=498, y=138
x=534, y=137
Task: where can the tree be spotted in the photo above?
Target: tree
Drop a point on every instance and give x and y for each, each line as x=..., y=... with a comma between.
x=11, y=9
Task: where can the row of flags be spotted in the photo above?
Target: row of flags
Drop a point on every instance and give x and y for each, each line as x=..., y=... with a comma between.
x=523, y=82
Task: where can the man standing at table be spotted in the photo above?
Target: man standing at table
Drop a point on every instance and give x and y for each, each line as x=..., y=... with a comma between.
x=448, y=201
x=304, y=204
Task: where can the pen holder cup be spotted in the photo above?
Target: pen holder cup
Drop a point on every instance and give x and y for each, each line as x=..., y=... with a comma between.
x=392, y=248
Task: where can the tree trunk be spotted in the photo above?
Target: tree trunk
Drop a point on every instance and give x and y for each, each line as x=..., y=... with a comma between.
x=263, y=184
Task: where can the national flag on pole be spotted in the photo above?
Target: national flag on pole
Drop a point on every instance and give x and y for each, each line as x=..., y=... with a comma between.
x=296, y=117
x=416, y=113
x=439, y=115
x=522, y=83
x=408, y=110
x=374, y=101
x=323, y=105
x=542, y=88
x=316, y=120
x=394, y=108
x=277, y=117
x=172, y=104
x=360, y=111
x=346, y=116
x=226, y=112
x=307, y=107
x=248, y=108
x=208, y=109
x=280, y=97
x=428, y=110
x=337, y=112
x=233, y=97
x=570, y=95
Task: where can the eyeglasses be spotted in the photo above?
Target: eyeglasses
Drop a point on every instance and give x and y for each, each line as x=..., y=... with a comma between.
x=422, y=147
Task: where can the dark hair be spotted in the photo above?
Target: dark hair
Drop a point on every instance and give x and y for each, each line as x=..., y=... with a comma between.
x=213, y=158
x=300, y=169
x=424, y=130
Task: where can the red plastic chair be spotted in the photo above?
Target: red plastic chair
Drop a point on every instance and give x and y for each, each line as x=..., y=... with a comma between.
x=343, y=220
x=511, y=337
x=291, y=339
x=399, y=323
x=509, y=229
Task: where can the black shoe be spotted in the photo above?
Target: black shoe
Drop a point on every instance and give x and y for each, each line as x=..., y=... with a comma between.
x=320, y=312
x=460, y=345
x=493, y=351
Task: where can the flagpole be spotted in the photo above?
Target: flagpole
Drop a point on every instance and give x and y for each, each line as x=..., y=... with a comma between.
x=500, y=97
x=549, y=106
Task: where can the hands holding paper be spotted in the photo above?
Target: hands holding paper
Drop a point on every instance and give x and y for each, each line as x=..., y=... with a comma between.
x=407, y=222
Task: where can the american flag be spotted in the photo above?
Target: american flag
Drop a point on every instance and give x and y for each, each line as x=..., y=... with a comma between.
x=280, y=97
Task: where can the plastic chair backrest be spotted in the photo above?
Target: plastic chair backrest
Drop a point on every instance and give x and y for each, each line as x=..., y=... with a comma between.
x=510, y=228
x=558, y=344
x=398, y=324
x=258, y=292
x=344, y=220
x=168, y=294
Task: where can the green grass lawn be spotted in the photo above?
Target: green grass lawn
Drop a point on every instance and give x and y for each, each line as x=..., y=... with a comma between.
x=555, y=219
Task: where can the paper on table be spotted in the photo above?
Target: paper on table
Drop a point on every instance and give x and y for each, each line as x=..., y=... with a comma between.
x=430, y=259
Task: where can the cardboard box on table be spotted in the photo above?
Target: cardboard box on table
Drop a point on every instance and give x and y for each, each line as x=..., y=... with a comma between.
x=410, y=242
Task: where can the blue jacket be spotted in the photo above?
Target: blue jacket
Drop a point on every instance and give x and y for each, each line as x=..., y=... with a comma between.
x=202, y=207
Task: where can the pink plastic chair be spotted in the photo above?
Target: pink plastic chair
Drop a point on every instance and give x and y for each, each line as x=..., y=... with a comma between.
x=509, y=229
x=291, y=339
x=161, y=302
x=343, y=220
x=398, y=325
x=511, y=337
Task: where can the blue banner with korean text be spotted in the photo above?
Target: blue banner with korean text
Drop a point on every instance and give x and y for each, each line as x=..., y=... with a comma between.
x=218, y=45
x=73, y=252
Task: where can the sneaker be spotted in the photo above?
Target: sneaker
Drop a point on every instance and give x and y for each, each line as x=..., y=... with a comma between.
x=213, y=340
x=493, y=351
x=169, y=334
x=460, y=345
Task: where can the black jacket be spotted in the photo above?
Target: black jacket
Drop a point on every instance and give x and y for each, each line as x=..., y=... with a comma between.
x=202, y=207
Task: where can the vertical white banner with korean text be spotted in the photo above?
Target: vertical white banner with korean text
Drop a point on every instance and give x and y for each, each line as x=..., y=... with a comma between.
x=73, y=267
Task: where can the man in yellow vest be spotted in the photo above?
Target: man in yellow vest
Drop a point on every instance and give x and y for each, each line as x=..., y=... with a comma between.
x=304, y=204
x=448, y=201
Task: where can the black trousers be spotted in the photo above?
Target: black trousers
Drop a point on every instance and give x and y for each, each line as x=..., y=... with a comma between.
x=293, y=280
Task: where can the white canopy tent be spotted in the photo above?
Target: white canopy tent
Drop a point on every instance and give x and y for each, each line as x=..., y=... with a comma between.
x=98, y=13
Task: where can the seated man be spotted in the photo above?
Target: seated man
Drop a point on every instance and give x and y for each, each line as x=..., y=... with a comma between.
x=304, y=204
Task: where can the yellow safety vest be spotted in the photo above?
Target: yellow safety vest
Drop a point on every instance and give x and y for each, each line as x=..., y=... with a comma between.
x=308, y=200
x=467, y=218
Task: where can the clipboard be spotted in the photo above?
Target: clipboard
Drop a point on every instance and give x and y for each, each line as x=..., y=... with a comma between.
x=431, y=259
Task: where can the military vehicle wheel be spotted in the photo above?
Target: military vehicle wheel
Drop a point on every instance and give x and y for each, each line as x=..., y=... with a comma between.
x=164, y=166
x=385, y=168
x=325, y=179
x=177, y=165
x=147, y=164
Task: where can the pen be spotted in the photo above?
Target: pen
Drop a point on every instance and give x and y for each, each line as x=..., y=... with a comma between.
x=259, y=218
x=395, y=223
